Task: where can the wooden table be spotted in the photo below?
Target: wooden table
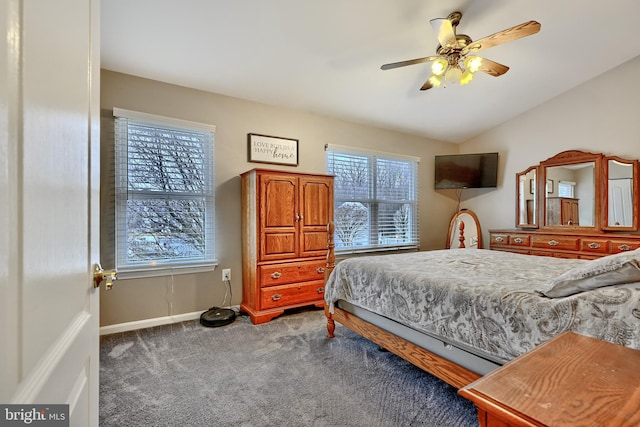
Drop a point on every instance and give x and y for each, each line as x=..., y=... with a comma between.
x=571, y=380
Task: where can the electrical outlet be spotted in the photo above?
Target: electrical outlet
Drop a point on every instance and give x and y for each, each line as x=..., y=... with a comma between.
x=226, y=274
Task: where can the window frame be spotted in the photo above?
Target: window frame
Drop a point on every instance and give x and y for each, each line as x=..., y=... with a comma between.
x=375, y=201
x=168, y=266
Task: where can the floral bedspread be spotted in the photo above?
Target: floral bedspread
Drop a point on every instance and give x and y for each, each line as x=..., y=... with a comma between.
x=485, y=300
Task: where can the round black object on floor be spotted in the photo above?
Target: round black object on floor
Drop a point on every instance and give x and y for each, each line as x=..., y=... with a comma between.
x=217, y=317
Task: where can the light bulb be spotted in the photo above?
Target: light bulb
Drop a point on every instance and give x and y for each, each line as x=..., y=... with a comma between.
x=467, y=76
x=453, y=75
x=473, y=63
x=439, y=66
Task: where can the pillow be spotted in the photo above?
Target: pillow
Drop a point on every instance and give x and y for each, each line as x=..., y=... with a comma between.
x=609, y=270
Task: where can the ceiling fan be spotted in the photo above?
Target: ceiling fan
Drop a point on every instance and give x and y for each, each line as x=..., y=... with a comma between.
x=456, y=62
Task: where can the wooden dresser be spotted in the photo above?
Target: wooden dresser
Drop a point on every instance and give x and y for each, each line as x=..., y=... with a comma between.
x=284, y=241
x=571, y=380
x=561, y=243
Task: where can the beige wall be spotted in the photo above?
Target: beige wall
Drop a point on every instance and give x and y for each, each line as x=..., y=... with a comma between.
x=601, y=115
x=138, y=299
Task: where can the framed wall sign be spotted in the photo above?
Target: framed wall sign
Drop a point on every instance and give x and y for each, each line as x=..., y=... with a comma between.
x=272, y=149
x=549, y=186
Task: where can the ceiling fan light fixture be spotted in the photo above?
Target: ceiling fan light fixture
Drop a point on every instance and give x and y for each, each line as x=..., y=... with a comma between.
x=466, y=78
x=439, y=66
x=473, y=63
x=435, y=80
x=453, y=75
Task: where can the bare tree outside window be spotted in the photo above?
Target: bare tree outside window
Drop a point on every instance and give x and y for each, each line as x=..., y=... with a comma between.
x=401, y=222
x=161, y=227
x=351, y=222
x=375, y=200
x=164, y=195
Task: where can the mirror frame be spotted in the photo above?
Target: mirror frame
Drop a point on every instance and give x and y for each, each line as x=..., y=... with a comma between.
x=635, y=194
x=565, y=158
x=534, y=224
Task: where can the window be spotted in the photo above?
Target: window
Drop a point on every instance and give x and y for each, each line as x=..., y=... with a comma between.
x=566, y=189
x=376, y=199
x=164, y=193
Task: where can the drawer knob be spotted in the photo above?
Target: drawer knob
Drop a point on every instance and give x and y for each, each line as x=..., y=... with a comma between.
x=553, y=243
x=320, y=290
x=276, y=275
x=624, y=247
x=320, y=270
x=518, y=240
x=500, y=239
x=276, y=297
x=594, y=245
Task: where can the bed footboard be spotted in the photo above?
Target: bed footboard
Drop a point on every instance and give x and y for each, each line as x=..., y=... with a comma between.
x=448, y=371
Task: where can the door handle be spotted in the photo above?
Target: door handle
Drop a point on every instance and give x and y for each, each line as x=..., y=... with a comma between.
x=99, y=274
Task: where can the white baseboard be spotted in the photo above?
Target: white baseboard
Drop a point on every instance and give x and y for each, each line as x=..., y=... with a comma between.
x=156, y=321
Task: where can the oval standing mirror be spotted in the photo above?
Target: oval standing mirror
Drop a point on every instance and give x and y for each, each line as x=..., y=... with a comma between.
x=464, y=231
x=571, y=190
x=621, y=177
x=526, y=209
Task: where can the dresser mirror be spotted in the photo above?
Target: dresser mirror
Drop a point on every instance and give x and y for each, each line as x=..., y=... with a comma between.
x=570, y=192
x=527, y=208
x=621, y=187
x=579, y=190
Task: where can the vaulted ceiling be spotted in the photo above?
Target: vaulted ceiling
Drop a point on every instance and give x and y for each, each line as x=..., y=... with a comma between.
x=324, y=56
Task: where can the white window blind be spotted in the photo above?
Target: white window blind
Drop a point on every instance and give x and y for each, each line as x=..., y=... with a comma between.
x=566, y=189
x=376, y=199
x=164, y=189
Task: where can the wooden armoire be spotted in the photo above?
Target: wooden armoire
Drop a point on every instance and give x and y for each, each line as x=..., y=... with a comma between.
x=284, y=241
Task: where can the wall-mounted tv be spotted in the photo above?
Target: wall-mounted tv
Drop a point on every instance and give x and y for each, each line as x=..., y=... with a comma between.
x=466, y=171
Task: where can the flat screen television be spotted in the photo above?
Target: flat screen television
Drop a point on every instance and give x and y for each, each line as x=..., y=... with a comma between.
x=466, y=171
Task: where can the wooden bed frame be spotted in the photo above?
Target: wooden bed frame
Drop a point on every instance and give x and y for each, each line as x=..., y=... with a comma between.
x=432, y=363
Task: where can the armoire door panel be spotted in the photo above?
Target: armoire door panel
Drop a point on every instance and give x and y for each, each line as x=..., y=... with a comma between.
x=314, y=243
x=279, y=202
x=315, y=211
x=278, y=245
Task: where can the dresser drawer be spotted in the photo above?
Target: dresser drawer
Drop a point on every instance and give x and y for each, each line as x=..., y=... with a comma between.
x=556, y=242
x=618, y=246
x=600, y=246
x=519, y=240
x=279, y=296
x=499, y=239
x=291, y=272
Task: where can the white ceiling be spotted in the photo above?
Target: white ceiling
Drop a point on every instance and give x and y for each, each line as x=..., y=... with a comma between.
x=324, y=56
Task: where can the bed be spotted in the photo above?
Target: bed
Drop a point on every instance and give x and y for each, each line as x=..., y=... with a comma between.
x=460, y=313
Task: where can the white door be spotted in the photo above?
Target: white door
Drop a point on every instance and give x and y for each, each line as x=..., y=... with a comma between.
x=49, y=192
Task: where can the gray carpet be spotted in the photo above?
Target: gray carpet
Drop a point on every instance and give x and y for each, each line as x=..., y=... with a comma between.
x=282, y=373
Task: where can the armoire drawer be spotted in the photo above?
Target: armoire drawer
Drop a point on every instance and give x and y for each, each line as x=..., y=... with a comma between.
x=291, y=272
x=278, y=296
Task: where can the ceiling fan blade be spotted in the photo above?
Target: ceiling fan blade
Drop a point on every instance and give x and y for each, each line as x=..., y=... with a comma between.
x=444, y=30
x=504, y=36
x=492, y=68
x=427, y=85
x=409, y=62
